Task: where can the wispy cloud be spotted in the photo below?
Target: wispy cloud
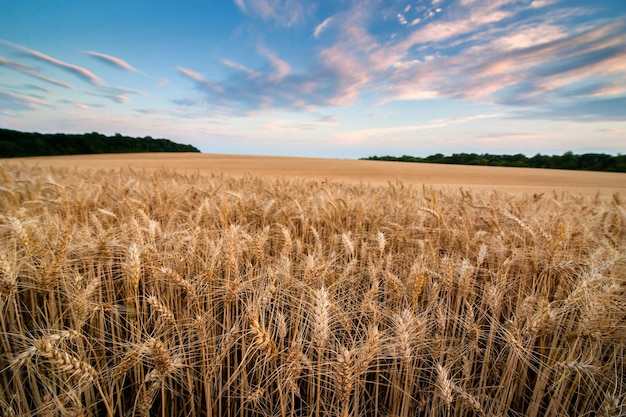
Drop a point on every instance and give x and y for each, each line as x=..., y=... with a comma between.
x=240, y=67
x=112, y=61
x=25, y=69
x=274, y=85
x=99, y=88
x=586, y=110
x=79, y=72
x=75, y=104
x=320, y=28
x=285, y=13
x=37, y=88
x=10, y=101
x=504, y=52
x=117, y=94
x=537, y=60
x=200, y=80
x=386, y=132
x=281, y=67
x=282, y=125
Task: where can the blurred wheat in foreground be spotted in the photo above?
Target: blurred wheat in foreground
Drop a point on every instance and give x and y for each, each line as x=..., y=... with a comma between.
x=132, y=293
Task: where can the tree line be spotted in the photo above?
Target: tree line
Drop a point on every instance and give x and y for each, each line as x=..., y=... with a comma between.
x=569, y=160
x=18, y=144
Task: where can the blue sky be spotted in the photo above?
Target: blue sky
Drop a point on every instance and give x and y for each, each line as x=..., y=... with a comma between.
x=342, y=78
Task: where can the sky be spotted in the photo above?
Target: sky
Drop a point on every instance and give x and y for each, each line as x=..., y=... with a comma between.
x=332, y=78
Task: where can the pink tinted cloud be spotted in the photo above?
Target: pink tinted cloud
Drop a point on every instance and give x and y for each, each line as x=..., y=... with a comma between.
x=281, y=67
x=196, y=76
x=25, y=69
x=79, y=72
x=14, y=101
x=76, y=104
x=112, y=61
x=349, y=72
x=200, y=79
x=240, y=67
x=525, y=59
x=500, y=51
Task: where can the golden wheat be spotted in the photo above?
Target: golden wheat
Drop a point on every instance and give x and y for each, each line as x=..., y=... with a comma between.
x=155, y=293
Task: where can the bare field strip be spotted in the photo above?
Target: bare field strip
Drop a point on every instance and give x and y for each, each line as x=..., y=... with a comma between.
x=512, y=180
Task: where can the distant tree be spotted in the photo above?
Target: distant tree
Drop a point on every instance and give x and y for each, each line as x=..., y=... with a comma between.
x=569, y=160
x=16, y=144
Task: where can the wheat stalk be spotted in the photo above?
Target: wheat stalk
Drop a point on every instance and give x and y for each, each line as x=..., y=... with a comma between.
x=163, y=310
x=241, y=296
x=63, y=361
x=344, y=379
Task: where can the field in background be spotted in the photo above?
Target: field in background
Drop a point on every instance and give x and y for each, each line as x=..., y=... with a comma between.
x=513, y=180
x=170, y=293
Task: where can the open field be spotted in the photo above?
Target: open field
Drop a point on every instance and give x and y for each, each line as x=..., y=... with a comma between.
x=514, y=180
x=194, y=292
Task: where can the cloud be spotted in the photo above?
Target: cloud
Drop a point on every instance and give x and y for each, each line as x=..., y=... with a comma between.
x=543, y=3
x=281, y=67
x=321, y=27
x=77, y=71
x=503, y=52
x=280, y=125
x=274, y=85
x=588, y=110
x=112, y=61
x=463, y=20
x=113, y=93
x=76, y=104
x=117, y=95
x=10, y=101
x=196, y=76
x=385, y=132
x=242, y=5
x=285, y=13
x=200, y=81
x=538, y=60
x=25, y=69
x=236, y=66
x=37, y=88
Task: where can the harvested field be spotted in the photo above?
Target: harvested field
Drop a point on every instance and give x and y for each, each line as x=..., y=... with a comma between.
x=246, y=286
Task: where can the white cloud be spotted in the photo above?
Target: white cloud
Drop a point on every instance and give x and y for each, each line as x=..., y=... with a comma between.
x=320, y=28
x=241, y=5
x=543, y=3
x=529, y=35
x=286, y=13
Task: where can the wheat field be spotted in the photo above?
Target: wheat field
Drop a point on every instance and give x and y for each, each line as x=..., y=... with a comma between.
x=156, y=292
x=518, y=181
